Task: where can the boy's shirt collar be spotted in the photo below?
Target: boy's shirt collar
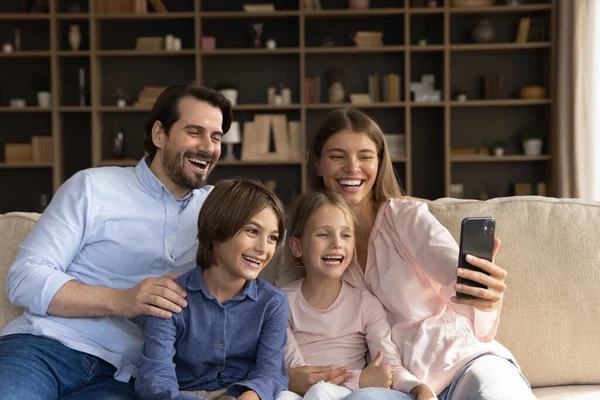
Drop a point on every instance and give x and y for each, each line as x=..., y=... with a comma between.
x=196, y=283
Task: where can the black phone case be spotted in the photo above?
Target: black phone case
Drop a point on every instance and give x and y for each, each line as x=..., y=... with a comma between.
x=477, y=239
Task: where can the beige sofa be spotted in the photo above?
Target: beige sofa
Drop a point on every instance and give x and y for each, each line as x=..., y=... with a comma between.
x=551, y=313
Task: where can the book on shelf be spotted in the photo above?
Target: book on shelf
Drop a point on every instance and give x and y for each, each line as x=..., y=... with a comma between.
x=312, y=89
x=385, y=87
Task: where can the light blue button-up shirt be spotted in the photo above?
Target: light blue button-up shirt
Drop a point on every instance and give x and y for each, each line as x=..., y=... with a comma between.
x=110, y=227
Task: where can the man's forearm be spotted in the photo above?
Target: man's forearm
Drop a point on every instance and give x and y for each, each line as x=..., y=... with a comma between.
x=75, y=299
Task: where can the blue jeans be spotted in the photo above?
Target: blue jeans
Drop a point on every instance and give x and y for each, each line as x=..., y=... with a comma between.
x=34, y=367
x=374, y=393
x=488, y=377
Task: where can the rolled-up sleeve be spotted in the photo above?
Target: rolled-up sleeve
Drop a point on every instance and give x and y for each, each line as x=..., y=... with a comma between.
x=41, y=266
x=269, y=376
x=157, y=377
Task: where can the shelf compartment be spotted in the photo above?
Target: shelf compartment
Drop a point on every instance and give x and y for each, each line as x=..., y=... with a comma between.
x=505, y=158
x=349, y=49
x=250, y=51
x=375, y=104
x=142, y=53
x=4, y=165
x=354, y=13
x=148, y=16
x=244, y=14
x=523, y=8
x=266, y=107
x=500, y=46
x=26, y=54
x=501, y=103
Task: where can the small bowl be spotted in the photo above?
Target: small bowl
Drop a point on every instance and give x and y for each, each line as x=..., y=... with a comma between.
x=533, y=92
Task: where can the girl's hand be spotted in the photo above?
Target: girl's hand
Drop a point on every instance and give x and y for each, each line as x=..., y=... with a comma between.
x=488, y=299
x=375, y=375
x=423, y=392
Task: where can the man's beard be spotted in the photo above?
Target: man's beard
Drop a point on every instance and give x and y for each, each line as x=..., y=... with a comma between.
x=173, y=163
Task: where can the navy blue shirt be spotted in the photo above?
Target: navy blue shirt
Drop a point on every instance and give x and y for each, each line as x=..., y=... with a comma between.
x=210, y=346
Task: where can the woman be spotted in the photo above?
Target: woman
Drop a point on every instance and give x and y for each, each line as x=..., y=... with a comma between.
x=408, y=260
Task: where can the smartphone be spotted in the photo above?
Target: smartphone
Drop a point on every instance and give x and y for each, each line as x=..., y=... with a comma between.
x=477, y=239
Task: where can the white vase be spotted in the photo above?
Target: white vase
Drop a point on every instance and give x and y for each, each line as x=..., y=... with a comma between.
x=74, y=36
x=44, y=99
x=499, y=151
x=532, y=147
x=336, y=93
x=230, y=94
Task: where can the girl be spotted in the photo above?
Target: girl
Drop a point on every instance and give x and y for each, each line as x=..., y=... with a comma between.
x=332, y=322
x=408, y=260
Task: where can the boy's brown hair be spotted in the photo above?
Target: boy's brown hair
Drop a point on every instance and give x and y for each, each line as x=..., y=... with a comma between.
x=305, y=206
x=228, y=207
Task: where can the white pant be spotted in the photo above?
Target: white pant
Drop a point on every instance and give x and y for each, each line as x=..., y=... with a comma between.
x=488, y=377
x=318, y=391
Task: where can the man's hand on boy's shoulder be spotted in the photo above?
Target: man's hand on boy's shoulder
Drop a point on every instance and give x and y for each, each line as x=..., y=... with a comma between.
x=155, y=296
x=249, y=395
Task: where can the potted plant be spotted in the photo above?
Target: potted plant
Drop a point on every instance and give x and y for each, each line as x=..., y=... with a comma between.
x=496, y=148
x=532, y=141
x=229, y=90
x=44, y=96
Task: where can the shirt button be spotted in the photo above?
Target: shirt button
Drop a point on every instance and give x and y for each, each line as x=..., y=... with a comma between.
x=170, y=238
x=221, y=345
x=221, y=309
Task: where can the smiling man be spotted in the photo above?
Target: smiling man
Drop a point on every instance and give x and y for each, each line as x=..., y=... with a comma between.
x=107, y=250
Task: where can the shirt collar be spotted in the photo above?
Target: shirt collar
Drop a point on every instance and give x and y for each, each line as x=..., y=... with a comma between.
x=151, y=183
x=196, y=283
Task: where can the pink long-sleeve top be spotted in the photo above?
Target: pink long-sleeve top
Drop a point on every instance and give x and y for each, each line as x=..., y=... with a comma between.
x=349, y=333
x=411, y=269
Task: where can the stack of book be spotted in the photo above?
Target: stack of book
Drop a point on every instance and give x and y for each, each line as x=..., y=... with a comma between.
x=368, y=39
x=385, y=87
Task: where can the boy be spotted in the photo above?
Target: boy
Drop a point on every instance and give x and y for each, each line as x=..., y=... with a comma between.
x=229, y=341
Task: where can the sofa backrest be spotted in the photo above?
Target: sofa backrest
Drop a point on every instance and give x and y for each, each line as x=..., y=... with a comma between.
x=551, y=311
x=14, y=227
x=551, y=249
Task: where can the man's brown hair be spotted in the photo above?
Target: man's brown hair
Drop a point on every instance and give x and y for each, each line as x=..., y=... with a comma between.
x=228, y=207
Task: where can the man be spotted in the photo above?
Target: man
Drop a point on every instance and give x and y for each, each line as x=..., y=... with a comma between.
x=106, y=251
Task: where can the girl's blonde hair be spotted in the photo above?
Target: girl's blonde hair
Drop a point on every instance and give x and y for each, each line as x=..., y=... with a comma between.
x=386, y=184
x=307, y=205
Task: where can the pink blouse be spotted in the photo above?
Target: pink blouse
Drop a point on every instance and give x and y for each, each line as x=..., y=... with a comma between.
x=411, y=269
x=349, y=333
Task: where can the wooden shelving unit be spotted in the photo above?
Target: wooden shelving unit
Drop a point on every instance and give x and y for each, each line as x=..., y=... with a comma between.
x=81, y=133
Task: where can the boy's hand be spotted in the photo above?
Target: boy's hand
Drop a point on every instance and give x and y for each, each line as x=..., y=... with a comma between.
x=423, y=392
x=249, y=395
x=375, y=375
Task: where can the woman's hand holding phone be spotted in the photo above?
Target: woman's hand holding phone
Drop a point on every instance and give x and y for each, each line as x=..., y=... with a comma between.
x=488, y=299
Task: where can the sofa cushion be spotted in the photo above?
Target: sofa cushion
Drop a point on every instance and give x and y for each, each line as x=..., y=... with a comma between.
x=551, y=250
x=581, y=392
x=14, y=227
